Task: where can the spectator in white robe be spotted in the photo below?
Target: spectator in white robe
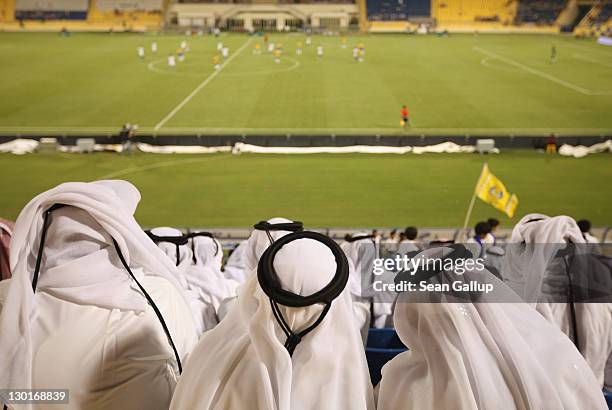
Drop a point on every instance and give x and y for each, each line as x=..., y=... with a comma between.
x=204, y=274
x=172, y=242
x=88, y=326
x=361, y=250
x=358, y=284
x=539, y=275
x=468, y=352
x=234, y=266
x=244, y=363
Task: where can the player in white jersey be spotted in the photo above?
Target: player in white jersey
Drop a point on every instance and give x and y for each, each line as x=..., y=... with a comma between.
x=319, y=50
x=225, y=52
x=184, y=45
x=219, y=46
x=171, y=61
x=271, y=47
x=141, y=51
x=154, y=47
x=308, y=41
x=356, y=53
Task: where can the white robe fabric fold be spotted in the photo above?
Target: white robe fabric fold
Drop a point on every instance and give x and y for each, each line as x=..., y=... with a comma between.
x=82, y=282
x=483, y=355
x=243, y=364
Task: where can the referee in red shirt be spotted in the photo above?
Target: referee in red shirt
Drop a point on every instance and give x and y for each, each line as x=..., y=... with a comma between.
x=405, y=116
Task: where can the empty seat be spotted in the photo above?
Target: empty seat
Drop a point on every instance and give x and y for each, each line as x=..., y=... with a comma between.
x=382, y=346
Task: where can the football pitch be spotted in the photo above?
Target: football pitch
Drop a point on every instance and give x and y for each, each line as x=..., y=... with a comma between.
x=462, y=84
x=347, y=190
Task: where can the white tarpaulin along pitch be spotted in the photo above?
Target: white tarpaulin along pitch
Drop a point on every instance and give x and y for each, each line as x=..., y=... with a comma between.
x=181, y=149
x=444, y=147
x=51, y=5
x=25, y=146
x=154, y=149
x=580, y=151
x=19, y=146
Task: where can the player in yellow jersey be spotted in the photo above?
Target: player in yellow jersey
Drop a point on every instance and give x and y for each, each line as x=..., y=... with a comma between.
x=257, y=49
x=343, y=42
x=217, y=62
x=277, y=55
x=360, y=55
x=298, y=48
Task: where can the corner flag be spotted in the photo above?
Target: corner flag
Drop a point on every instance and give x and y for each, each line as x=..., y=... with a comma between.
x=492, y=191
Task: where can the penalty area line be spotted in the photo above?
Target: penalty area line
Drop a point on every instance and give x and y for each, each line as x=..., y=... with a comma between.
x=199, y=87
x=535, y=72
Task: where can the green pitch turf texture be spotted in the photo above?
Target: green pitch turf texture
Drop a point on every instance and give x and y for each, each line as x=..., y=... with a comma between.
x=464, y=84
x=349, y=190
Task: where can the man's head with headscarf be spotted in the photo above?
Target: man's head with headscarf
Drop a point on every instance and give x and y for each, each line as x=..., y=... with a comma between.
x=172, y=242
x=260, y=239
x=267, y=376
x=539, y=228
x=207, y=250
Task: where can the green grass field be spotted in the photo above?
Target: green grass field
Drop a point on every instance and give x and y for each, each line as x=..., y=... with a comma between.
x=464, y=84
x=348, y=190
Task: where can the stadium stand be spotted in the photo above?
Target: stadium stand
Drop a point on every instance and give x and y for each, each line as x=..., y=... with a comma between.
x=81, y=15
x=464, y=15
x=471, y=11
x=542, y=12
x=605, y=13
x=394, y=10
x=595, y=20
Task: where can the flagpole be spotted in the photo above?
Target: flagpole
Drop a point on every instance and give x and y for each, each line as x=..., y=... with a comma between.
x=469, y=212
x=471, y=207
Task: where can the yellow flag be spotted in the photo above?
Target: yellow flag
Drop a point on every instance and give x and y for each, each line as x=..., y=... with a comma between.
x=491, y=190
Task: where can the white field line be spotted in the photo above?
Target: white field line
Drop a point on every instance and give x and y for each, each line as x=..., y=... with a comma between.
x=200, y=87
x=539, y=73
x=155, y=165
x=152, y=67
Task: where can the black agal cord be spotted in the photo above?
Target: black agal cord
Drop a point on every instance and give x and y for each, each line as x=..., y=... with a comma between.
x=294, y=226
